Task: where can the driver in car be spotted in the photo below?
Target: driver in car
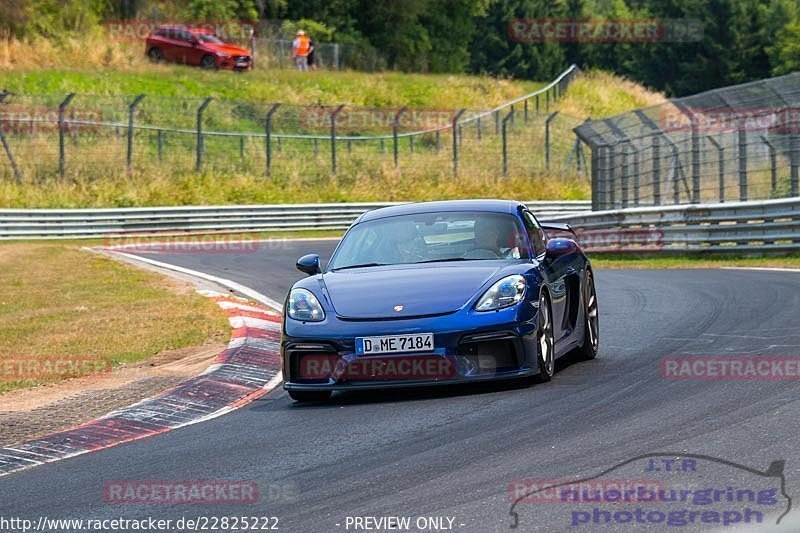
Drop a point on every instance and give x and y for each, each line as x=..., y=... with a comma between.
x=489, y=233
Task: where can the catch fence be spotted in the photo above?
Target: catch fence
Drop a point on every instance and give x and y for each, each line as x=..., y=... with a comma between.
x=737, y=143
x=86, y=137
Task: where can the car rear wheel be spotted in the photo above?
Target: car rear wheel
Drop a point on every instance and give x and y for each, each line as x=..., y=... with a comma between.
x=155, y=55
x=309, y=395
x=208, y=62
x=591, y=335
x=545, y=340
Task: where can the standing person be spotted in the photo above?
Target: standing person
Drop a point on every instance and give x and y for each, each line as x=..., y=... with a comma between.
x=301, y=46
x=312, y=62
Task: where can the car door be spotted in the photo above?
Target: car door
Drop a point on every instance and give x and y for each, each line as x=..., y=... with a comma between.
x=170, y=44
x=195, y=50
x=555, y=274
x=183, y=46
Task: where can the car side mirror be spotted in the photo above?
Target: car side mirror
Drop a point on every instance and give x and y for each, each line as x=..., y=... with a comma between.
x=559, y=247
x=309, y=264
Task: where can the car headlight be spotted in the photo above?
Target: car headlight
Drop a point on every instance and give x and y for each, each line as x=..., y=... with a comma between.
x=223, y=55
x=303, y=305
x=505, y=293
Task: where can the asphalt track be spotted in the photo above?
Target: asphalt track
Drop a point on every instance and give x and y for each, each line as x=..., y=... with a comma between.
x=453, y=452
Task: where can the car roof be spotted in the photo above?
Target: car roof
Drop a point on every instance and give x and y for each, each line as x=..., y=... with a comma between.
x=489, y=206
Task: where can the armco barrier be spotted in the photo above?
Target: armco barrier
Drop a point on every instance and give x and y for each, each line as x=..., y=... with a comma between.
x=99, y=223
x=740, y=227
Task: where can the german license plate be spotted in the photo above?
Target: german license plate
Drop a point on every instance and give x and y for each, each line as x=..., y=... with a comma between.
x=416, y=342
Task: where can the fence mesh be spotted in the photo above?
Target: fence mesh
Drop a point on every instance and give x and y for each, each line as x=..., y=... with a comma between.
x=87, y=137
x=733, y=144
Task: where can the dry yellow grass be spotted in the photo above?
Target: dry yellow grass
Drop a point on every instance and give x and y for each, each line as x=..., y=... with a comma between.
x=62, y=304
x=598, y=94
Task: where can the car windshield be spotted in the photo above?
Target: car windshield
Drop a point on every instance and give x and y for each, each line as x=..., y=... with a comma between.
x=208, y=38
x=431, y=237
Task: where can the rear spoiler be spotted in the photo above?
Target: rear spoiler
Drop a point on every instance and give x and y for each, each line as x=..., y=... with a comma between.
x=556, y=226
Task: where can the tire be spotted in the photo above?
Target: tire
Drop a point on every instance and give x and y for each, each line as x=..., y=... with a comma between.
x=545, y=340
x=591, y=330
x=304, y=396
x=208, y=62
x=155, y=54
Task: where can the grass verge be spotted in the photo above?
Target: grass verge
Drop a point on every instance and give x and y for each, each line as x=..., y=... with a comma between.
x=608, y=262
x=60, y=304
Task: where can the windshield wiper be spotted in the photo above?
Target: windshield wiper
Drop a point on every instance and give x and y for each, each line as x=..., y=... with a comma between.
x=444, y=260
x=363, y=265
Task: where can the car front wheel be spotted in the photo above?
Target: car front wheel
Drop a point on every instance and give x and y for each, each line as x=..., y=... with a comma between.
x=546, y=340
x=591, y=335
x=155, y=55
x=208, y=62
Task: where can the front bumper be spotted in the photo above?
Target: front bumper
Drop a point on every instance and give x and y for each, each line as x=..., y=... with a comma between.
x=472, y=347
x=235, y=63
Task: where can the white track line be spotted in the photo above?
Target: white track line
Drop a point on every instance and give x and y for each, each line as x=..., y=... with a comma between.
x=238, y=287
x=765, y=269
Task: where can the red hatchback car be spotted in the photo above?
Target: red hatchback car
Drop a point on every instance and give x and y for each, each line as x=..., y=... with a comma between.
x=196, y=46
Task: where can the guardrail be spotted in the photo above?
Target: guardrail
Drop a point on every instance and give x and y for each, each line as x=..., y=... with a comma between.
x=740, y=227
x=101, y=223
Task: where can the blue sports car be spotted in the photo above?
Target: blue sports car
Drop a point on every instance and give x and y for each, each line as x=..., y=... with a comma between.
x=438, y=293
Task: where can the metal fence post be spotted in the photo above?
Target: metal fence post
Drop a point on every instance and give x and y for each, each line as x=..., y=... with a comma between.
x=479, y=127
x=200, y=147
x=131, y=113
x=636, y=179
x=611, y=176
x=61, y=155
x=742, y=134
x=6, y=147
x=336, y=64
x=438, y=137
x=773, y=165
x=794, y=161
x=605, y=176
x=721, y=165
x=595, y=159
x=333, y=136
x=508, y=117
x=547, y=139
x=455, y=140
x=526, y=111
x=624, y=177
x=395, y=126
x=656, y=170
x=695, y=160
x=268, y=137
